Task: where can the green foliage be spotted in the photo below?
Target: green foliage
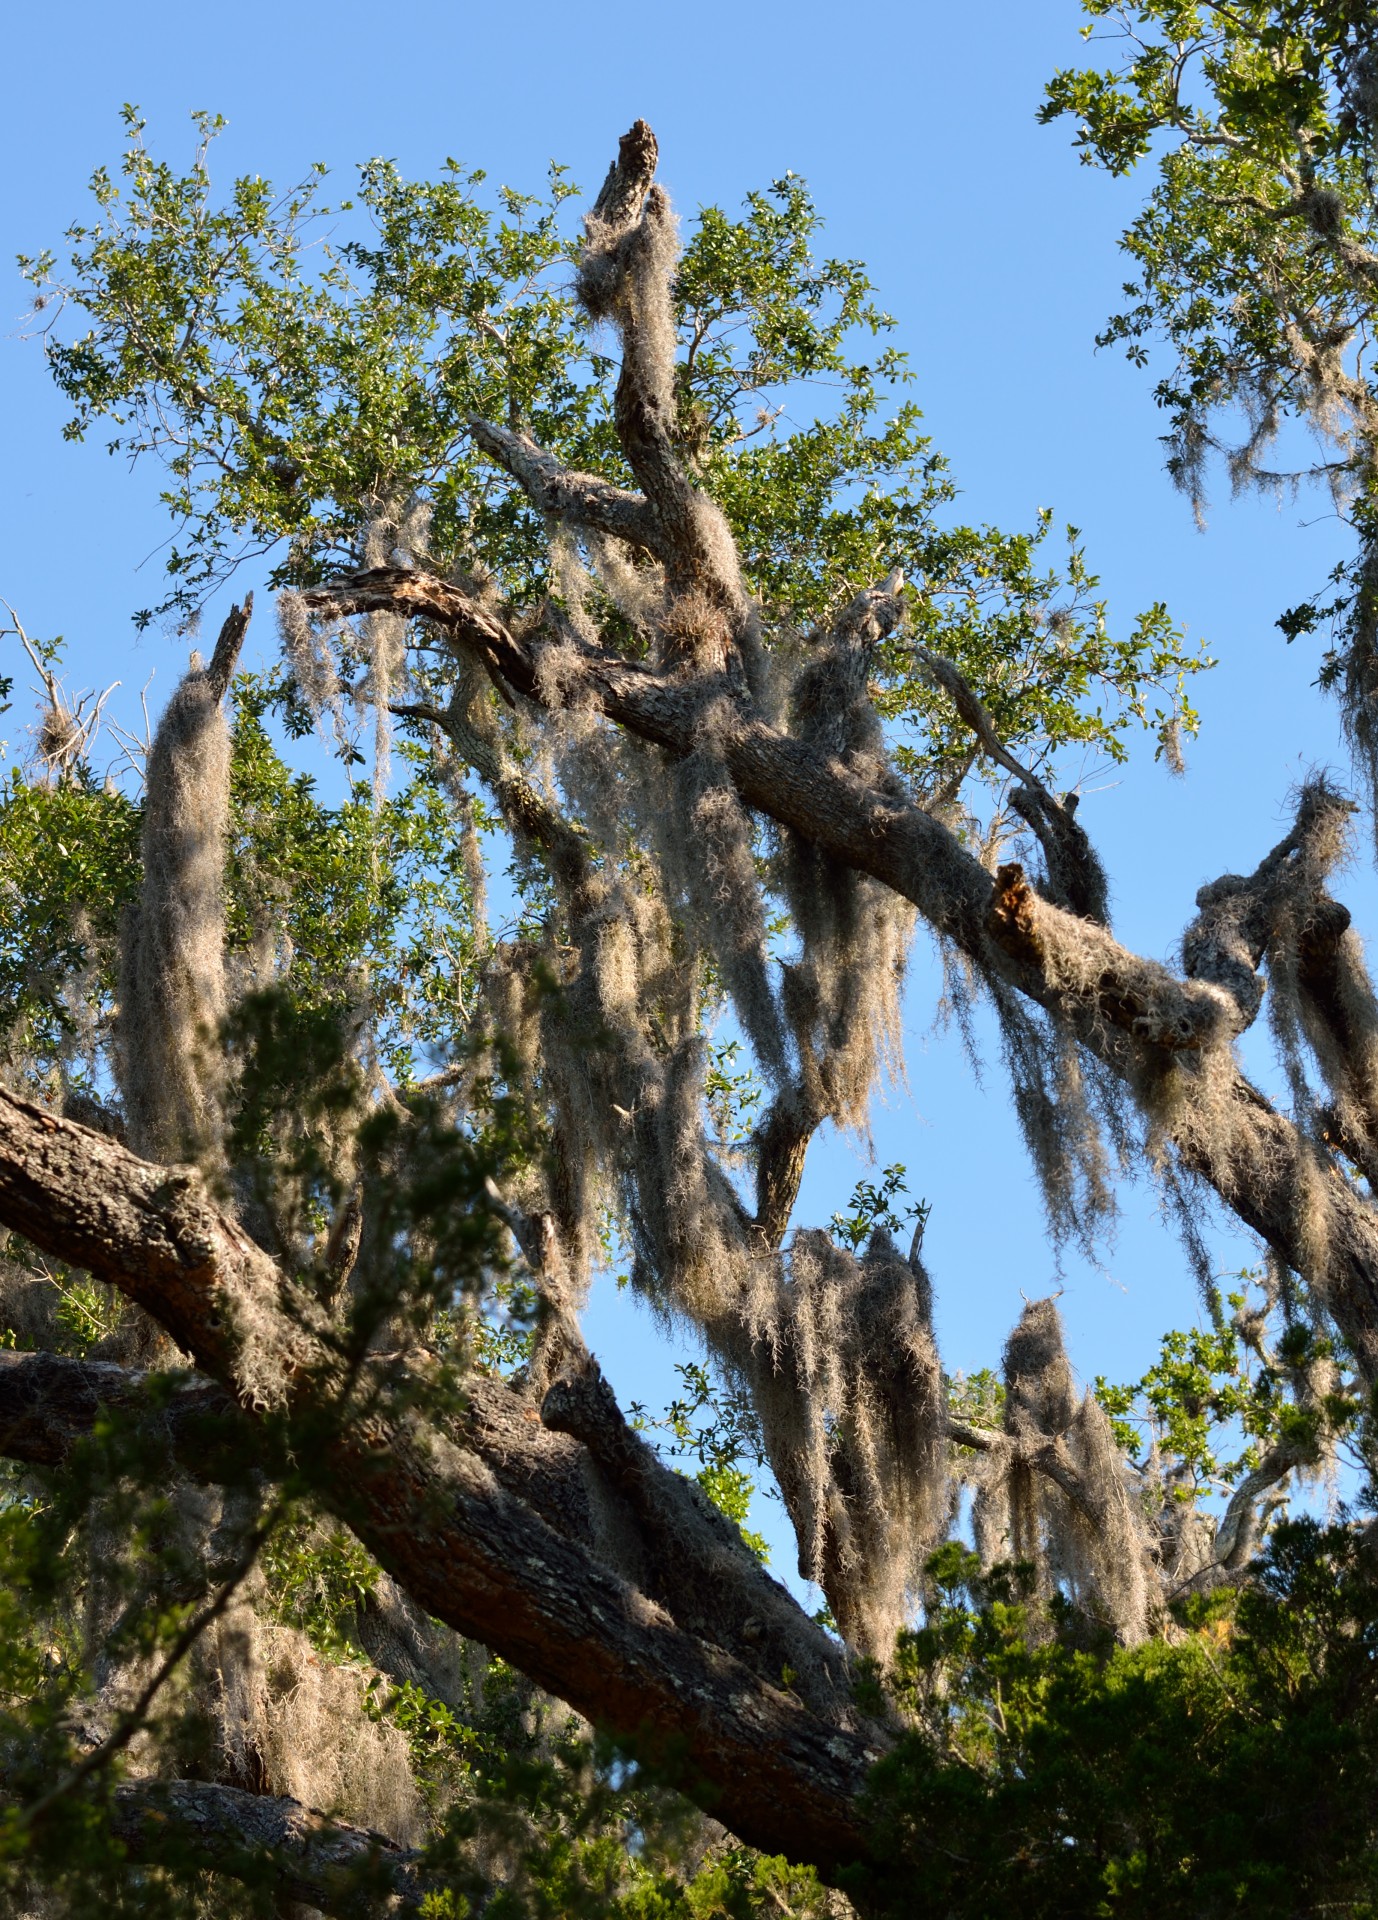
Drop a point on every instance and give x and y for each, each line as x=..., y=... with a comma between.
x=1254, y=255
x=872, y=1206
x=730, y=1489
x=69, y=863
x=978, y=1398
x=503, y=1338
x=715, y=1424
x=86, y=1311
x=353, y=892
x=317, y=1577
x=1215, y=1402
x=297, y=368
x=1223, y=1770
x=733, y=1095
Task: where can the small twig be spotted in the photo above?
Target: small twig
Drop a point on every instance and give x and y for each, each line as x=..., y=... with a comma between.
x=45, y=673
x=959, y=690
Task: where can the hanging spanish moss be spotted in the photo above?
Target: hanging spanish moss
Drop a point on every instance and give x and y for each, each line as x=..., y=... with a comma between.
x=1061, y=1505
x=384, y=637
x=288, y=1722
x=172, y=962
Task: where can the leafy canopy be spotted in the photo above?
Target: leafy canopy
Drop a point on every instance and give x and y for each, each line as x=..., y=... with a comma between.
x=1254, y=254
x=295, y=368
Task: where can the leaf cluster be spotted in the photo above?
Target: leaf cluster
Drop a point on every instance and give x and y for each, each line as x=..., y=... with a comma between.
x=1221, y=1770
x=299, y=370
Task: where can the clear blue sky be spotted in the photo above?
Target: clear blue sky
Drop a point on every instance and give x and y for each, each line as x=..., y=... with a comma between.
x=914, y=125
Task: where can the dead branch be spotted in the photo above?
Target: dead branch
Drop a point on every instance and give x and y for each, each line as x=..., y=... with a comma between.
x=1074, y=876
x=227, y=648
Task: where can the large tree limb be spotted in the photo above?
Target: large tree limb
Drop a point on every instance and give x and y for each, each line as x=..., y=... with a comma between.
x=831, y=806
x=698, y=1566
x=1134, y=1015
x=433, y=1513
x=827, y=803
x=580, y=501
x=269, y=1842
x=648, y=1523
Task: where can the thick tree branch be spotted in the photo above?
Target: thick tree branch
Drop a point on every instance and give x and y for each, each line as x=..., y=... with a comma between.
x=834, y=808
x=696, y=1562
x=646, y=1521
x=1132, y=1014
x=433, y=1513
x=649, y=1523
x=268, y=1842
x=580, y=501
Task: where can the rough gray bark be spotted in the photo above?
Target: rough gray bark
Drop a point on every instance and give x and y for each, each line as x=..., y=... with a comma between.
x=435, y=1515
x=270, y=1842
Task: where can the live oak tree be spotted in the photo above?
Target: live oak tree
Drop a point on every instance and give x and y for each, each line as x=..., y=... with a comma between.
x=1256, y=261
x=337, y=1577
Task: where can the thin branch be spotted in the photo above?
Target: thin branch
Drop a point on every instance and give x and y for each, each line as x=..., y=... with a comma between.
x=578, y=500
x=1075, y=880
